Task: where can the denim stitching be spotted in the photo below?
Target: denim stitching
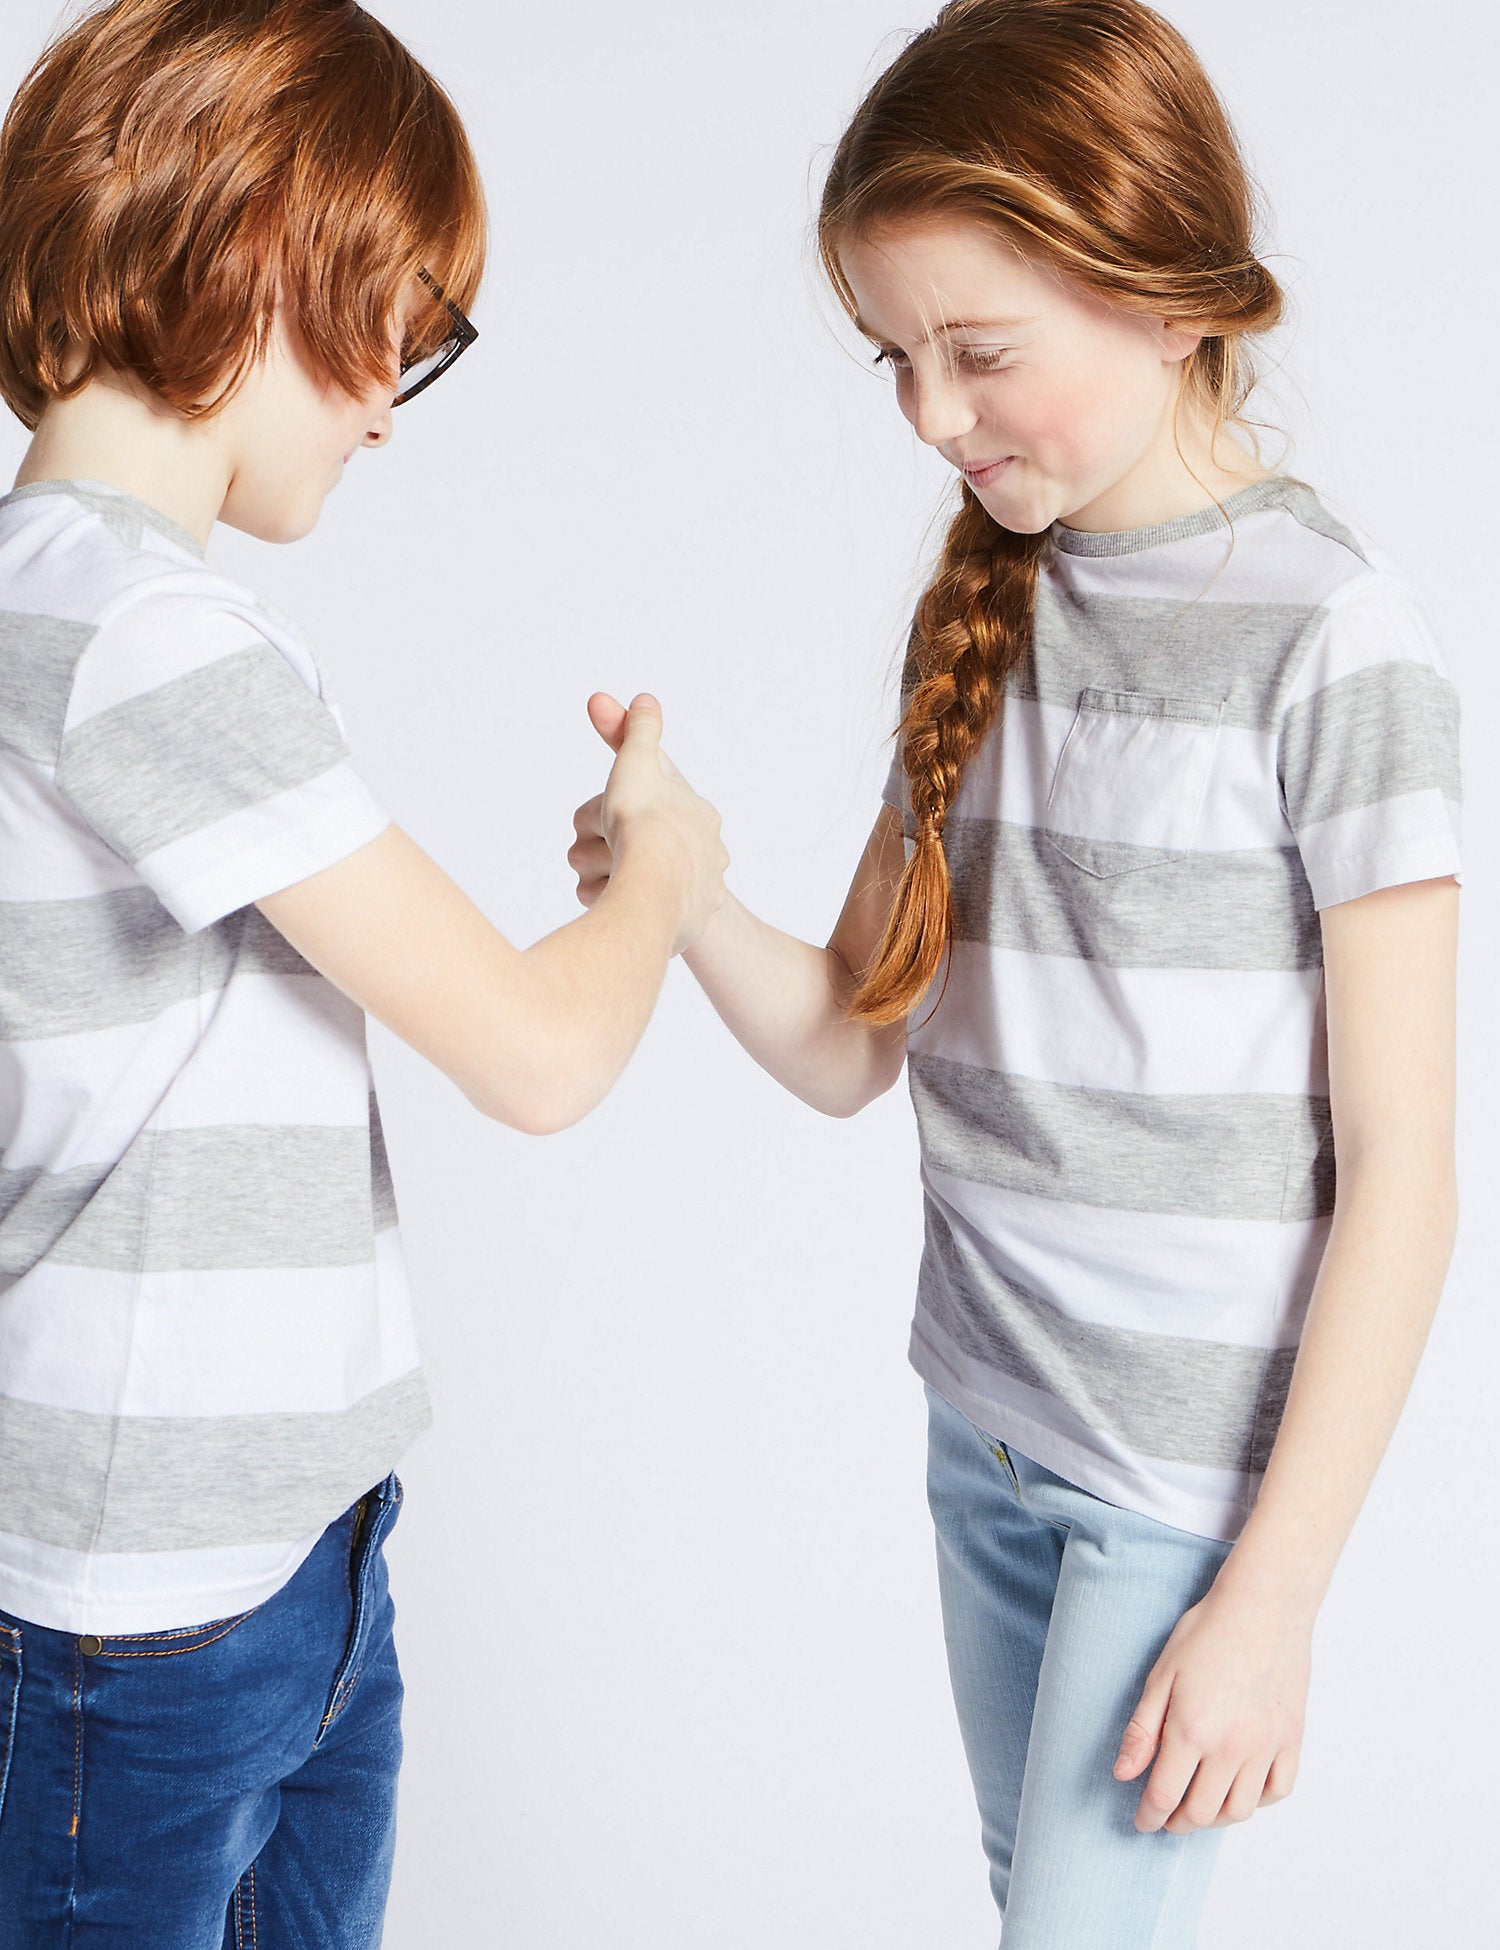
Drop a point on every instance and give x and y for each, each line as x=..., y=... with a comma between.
x=181, y=1632
x=254, y=1931
x=13, y=1634
x=172, y=1651
x=77, y=1738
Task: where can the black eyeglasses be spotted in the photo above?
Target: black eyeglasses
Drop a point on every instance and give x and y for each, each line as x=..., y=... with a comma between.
x=419, y=373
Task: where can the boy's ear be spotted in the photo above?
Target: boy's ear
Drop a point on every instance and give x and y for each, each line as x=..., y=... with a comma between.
x=607, y=715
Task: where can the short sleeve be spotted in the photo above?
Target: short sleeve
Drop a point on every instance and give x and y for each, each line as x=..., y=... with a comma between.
x=1368, y=749
x=196, y=751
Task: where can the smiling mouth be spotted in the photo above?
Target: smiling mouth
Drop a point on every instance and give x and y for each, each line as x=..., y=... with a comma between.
x=987, y=471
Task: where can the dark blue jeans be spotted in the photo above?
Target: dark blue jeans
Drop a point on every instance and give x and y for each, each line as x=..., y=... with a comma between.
x=228, y=1786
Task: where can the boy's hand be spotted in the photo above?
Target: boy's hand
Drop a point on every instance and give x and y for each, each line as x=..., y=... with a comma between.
x=1222, y=1710
x=645, y=795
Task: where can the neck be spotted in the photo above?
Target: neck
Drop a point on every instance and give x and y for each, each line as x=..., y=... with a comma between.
x=117, y=433
x=1166, y=483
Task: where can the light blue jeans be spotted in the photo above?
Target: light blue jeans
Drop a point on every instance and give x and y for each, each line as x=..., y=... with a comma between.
x=1055, y=1607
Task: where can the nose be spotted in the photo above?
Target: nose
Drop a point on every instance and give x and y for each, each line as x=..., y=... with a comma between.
x=939, y=408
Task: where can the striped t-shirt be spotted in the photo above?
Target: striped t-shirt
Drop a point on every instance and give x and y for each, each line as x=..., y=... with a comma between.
x=1122, y=1098
x=206, y=1350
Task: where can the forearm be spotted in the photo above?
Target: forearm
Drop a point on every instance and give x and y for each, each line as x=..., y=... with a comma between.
x=784, y=1001
x=565, y=1022
x=1377, y=1290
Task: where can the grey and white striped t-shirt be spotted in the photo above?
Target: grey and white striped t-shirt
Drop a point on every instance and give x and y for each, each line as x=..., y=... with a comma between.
x=206, y=1349
x=1122, y=1098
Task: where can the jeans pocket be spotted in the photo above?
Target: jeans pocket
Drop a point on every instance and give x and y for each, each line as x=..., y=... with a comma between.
x=10, y=1697
x=375, y=1515
x=1130, y=780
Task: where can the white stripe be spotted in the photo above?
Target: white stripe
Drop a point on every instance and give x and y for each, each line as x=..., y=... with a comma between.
x=139, y=1591
x=1104, y=1266
x=1161, y=1031
x=293, y=1341
x=1275, y=559
x=1411, y=836
x=1378, y=622
x=276, y=1049
x=183, y=619
x=1011, y=778
x=84, y=1099
x=46, y=850
x=263, y=848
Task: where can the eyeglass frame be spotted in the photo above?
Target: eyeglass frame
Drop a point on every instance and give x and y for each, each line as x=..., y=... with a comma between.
x=464, y=336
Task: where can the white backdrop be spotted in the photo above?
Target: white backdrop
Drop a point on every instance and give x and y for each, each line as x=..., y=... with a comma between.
x=675, y=1670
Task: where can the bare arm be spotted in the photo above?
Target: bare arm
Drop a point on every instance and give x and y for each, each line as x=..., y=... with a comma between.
x=532, y=1038
x=1226, y=1699
x=1389, y=961
x=783, y=999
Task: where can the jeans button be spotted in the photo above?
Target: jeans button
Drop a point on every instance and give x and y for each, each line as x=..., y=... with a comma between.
x=89, y=1646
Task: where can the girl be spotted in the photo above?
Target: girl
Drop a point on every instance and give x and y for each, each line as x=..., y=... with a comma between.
x=1165, y=887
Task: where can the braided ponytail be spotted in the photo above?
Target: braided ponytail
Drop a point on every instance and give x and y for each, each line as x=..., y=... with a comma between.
x=973, y=626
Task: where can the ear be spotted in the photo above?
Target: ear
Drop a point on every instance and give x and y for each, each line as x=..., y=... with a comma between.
x=1177, y=342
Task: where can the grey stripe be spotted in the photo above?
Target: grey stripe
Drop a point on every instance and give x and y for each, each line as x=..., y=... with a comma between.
x=252, y=1196
x=1229, y=654
x=1206, y=1403
x=194, y=1482
x=168, y=762
x=1310, y=512
x=68, y=967
x=38, y=656
x=1247, y=909
x=382, y=1189
x=1389, y=728
x=1258, y=1156
x=36, y=1209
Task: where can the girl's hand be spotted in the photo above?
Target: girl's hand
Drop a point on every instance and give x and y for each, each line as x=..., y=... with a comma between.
x=646, y=794
x=1223, y=1711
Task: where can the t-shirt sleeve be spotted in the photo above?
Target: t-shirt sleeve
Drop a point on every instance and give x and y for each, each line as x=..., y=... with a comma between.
x=196, y=751
x=1367, y=748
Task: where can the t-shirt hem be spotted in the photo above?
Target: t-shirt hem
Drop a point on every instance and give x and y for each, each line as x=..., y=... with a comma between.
x=1428, y=858
x=1218, y=1519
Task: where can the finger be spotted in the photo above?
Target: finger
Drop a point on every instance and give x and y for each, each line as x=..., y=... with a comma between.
x=1166, y=1785
x=643, y=723
x=1279, y=1781
x=1138, y=1742
x=588, y=821
x=1243, y=1798
x=607, y=716
x=1204, y=1801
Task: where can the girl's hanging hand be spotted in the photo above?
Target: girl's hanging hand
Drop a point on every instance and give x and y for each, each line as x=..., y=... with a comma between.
x=1222, y=1710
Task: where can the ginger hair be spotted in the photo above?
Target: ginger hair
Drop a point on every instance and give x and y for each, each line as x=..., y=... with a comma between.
x=1086, y=134
x=173, y=170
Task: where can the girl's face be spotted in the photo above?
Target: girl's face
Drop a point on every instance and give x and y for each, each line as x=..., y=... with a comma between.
x=1052, y=403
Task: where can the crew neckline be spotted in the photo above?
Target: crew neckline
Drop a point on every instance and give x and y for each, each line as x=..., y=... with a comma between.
x=82, y=489
x=1263, y=493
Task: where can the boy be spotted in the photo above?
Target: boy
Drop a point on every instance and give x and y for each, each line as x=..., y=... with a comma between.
x=233, y=235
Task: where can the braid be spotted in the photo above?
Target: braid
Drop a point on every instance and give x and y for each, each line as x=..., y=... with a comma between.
x=973, y=626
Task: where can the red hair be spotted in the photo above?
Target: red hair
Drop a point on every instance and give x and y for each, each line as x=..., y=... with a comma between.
x=170, y=170
x=1086, y=134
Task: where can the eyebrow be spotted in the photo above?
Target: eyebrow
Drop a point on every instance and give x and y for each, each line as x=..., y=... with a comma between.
x=956, y=325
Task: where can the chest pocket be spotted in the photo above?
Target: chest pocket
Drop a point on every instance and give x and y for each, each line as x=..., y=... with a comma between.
x=1130, y=780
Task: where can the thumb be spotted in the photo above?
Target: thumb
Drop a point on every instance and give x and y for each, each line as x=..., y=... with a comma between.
x=643, y=722
x=1139, y=1740
x=607, y=716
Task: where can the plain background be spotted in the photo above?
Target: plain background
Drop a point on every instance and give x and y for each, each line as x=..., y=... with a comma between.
x=675, y=1669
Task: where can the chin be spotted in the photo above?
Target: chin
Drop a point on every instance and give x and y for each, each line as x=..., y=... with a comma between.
x=281, y=521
